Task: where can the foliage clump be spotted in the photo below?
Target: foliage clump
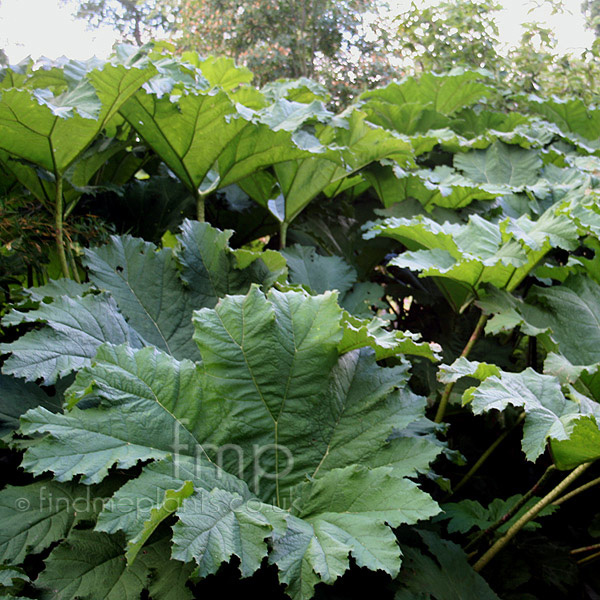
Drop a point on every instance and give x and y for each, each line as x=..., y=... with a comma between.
x=304, y=380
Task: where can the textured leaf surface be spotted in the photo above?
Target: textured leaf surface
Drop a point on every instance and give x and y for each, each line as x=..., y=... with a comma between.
x=78, y=326
x=150, y=390
x=90, y=564
x=318, y=273
x=339, y=512
x=199, y=130
x=139, y=506
x=145, y=283
x=37, y=515
x=216, y=525
x=273, y=402
x=549, y=414
x=52, y=131
x=444, y=93
x=155, y=293
x=500, y=164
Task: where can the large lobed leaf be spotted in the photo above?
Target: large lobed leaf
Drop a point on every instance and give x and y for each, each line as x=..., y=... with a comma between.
x=147, y=298
x=52, y=131
x=275, y=404
x=464, y=257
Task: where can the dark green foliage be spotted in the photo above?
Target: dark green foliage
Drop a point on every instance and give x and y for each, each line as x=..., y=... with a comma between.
x=206, y=403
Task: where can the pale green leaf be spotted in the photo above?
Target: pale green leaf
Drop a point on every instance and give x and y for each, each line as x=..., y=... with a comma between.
x=52, y=131
x=500, y=164
x=548, y=413
x=215, y=525
x=359, y=333
x=75, y=328
x=445, y=94
x=464, y=257
x=462, y=367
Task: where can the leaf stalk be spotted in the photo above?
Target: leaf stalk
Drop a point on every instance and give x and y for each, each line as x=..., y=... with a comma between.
x=441, y=411
x=283, y=234
x=576, y=491
x=200, y=208
x=529, y=516
x=487, y=454
x=58, y=226
x=509, y=514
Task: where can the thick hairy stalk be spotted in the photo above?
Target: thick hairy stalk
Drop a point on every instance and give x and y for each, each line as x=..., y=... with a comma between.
x=585, y=549
x=73, y=264
x=58, y=227
x=530, y=515
x=200, y=208
x=283, y=234
x=441, y=411
x=576, y=491
x=486, y=455
x=507, y=516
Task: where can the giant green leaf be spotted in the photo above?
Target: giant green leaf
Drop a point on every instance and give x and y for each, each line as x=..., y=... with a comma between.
x=52, y=131
x=37, y=515
x=272, y=403
x=215, y=525
x=549, y=414
x=90, y=564
x=403, y=117
x=345, y=150
x=319, y=273
x=570, y=114
x=208, y=266
x=147, y=385
x=337, y=514
x=441, y=186
x=155, y=293
x=78, y=326
x=199, y=131
x=500, y=165
x=359, y=333
x=564, y=318
x=145, y=283
x=464, y=257
x=446, y=94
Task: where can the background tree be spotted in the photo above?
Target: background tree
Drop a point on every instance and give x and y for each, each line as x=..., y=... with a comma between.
x=464, y=33
x=452, y=33
x=135, y=20
x=591, y=11
x=342, y=41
